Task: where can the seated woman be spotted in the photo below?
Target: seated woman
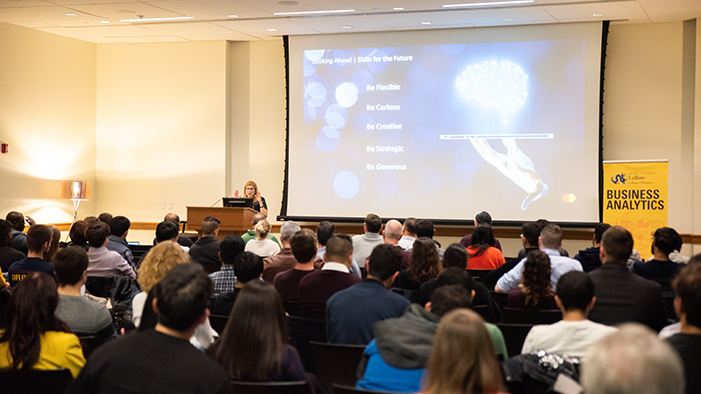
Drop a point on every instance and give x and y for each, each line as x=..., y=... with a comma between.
x=535, y=291
x=34, y=338
x=250, y=190
x=482, y=253
x=463, y=359
x=424, y=265
x=253, y=346
x=77, y=234
x=262, y=246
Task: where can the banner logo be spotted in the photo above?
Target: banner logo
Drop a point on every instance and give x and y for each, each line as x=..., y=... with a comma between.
x=619, y=178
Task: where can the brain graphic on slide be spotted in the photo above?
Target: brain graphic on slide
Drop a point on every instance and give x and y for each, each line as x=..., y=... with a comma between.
x=501, y=85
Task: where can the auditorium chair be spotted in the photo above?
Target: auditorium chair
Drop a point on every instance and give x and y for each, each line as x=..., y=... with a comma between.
x=339, y=389
x=89, y=344
x=414, y=296
x=335, y=364
x=35, y=381
x=296, y=387
x=292, y=307
x=530, y=316
x=669, y=308
x=515, y=336
x=500, y=298
x=484, y=311
x=302, y=331
x=478, y=275
x=218, y=323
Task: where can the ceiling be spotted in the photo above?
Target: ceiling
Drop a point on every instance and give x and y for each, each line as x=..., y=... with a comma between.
x=102, y=21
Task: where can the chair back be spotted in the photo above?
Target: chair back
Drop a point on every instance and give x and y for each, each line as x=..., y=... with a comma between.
x=414, y=296
x=292, y=307
x=499, y=298
x=100, y=286
x=335, y=364
x=530, y=316
x=515, y=336
x=484, y=311
x=478, y=275
x=218, y=322
x=669, y=308
x=302, y=331
x=89, y=344
x=340, y=389
x=35, y=381
x=295, y=387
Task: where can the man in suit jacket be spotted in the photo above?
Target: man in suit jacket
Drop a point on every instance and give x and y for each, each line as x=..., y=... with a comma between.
x=622, y=296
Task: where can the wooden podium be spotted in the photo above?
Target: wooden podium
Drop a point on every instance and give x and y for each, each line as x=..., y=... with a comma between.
x=233, y=220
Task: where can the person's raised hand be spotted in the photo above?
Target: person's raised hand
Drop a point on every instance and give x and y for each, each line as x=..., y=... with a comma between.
x=236, y=193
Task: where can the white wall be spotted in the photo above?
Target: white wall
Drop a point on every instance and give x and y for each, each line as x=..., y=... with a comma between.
x=47, y=116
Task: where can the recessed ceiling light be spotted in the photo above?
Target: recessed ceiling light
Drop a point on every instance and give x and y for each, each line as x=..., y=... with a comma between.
x=398, y=8
x=69, y=14
x=272, y=29
x=492, y=3
x=425, y=23
x=347, y=26
x=105, y=22
x=289, y=2
x=233, y=16
x=314, y=12
x=597, y=14
x=177, y=18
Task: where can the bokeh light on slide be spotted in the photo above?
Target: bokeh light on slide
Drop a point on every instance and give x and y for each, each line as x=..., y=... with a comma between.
x=346, y=185
x=328, y=139
x=314, y=54
x=336, y=116
x=347, y=94
x=359, y=125
x=315, y=94
x=429, y=180
x=386, y=182
x=569, y=197
x=361, y=79
x=423, y=140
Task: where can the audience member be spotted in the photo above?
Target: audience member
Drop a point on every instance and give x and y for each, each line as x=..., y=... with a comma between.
x=574, y=333
x=85, y=318
x=77, y=235
x=104, y=262
x=408, y=234
x=631, y=361
x=160, y=360
x=661, y=269
x=530, y=231
x=205, y=251
x=251, y=234
x=55, y=243
x=119, y=229
x=162, y=258
x=181, y=240
x=19, y=238
x=424, y=228
x=351, y=313
x=8, y=254
x=534, y=292
x=674, y=328
x=463, y=359
x=688, y=307
x=254, y=345
x=225, y=279
x=397, y=358
x=363, y=244
x=424, y=266
x=105, y=217
x=589, y=257
x=248, y=267
x=481, y=218
x=262, y=245
x=391, y=235
x=324, y=231
x=622, y=296
x=542, y=223
x=38, y=242
x=484, y=256
x=303, y=245
x=317, y=287
x=284, y=260
x=33, y=337
x=549, y=241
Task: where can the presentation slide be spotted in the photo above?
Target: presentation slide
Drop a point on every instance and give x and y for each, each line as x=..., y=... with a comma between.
x=445, y=124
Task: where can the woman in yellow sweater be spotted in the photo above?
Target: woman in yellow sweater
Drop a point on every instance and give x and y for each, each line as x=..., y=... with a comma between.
x=34, y=338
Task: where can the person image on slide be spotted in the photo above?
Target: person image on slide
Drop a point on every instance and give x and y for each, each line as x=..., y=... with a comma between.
x=250, y=190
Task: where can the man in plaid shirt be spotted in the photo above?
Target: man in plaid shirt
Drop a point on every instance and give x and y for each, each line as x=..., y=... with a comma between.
x=224, y=279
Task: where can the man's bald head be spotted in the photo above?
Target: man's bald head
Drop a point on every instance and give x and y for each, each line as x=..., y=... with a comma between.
x=392, y=232
x=257, y=218
x=172, y=217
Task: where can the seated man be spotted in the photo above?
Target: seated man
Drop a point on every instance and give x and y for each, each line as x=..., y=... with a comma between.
x=688, y=307
x=119, y=229
x=632, y=361
x=84, y=317
x=19, y=238
x=363, y=244
x=316, y=288
x=185, y=242
x=406, y=242
x=622, y=296
x=160, y=360
x=284, y=260
x=225, y=279
x=351, y=313
x=104, y=262
x=324, y=231
x=481, y=218
x=8, y=254
x=251, y=234
x=39, y=239
x=574, y=333
x=247, y=266
x=530, y=231
x=396, y=359
x=549, y=241
x=206, y=250
x=661, y=269
x=303, y=245
x=589, y=257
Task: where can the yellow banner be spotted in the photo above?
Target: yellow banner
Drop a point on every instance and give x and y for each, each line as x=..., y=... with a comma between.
x=635, y=197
